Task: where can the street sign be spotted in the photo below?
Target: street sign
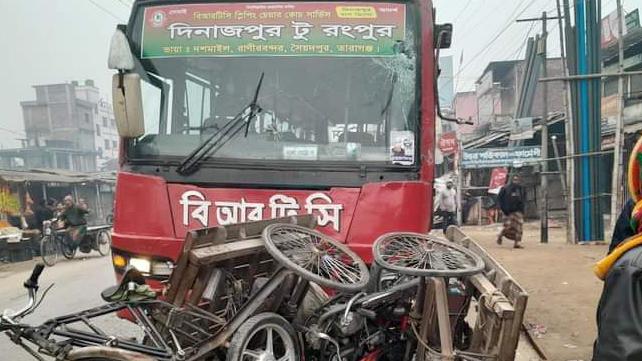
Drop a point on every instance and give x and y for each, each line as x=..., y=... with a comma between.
x=448, y=143
x=501, y=157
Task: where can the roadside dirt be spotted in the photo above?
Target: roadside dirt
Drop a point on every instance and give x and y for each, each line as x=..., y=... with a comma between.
x=563, y=290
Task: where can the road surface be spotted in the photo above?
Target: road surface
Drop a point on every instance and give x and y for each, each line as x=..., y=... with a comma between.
x=77, y=286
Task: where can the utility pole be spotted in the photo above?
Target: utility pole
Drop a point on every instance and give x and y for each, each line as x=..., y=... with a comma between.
x=569, y=192
x=543, y=205
x=616, y=179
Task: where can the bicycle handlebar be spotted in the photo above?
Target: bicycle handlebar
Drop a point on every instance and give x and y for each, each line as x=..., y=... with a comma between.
x=32, y=282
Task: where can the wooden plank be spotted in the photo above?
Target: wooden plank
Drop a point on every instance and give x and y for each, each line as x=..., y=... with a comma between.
x=178, y=271
x=203, y=277
x=428, y=324
x=501, y=305
x=211, y=235
x=443, y=318
x=185, y=284
x=501, y=275
x=533, y=341
x=212, y=254
x=509, y=344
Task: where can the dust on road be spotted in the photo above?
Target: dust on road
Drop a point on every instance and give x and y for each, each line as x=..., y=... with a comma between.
x=563, y=291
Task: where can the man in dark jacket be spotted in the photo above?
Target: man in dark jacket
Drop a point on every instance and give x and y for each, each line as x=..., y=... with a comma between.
x=512, y=201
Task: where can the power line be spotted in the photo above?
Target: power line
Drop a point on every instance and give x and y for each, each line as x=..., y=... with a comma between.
x=462, y=10
x=106, y=10
x=488, y=45
x=126, y=4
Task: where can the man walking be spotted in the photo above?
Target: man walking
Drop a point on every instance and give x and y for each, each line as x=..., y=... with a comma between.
x=447, y=205
x=512, y=202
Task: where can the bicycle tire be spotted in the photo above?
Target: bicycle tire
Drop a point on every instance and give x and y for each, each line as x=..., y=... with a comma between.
x=100, y=246
x=49, y=250
x=313, y=242
x=423, y=255
x=66, y=252
x=267, y=320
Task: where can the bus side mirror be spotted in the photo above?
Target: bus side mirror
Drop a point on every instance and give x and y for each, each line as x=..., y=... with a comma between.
x=443, y=36
x=128, y=105
x=120, y=54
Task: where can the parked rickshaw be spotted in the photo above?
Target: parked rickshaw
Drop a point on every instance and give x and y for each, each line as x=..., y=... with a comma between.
x=57, y=241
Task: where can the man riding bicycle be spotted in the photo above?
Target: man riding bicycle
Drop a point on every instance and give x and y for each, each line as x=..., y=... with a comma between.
x=74, y=218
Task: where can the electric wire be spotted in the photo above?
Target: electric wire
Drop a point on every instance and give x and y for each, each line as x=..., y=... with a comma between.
x=106, y=11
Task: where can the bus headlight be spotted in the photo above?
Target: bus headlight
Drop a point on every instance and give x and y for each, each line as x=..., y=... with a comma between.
x=141, y=264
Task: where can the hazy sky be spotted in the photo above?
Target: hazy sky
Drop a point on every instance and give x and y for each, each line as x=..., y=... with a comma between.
x=55, y=41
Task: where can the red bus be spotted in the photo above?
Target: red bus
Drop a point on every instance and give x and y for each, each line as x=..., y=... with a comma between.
x=239, y=111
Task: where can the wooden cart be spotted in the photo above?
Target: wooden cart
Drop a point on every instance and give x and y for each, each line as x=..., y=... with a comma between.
x=502, y=303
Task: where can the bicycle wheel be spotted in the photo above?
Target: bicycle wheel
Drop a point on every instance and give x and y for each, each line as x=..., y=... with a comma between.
x=266, y=336
x=426, y=256
x=316, y=257
x=103, y=243
x=68, y=249
x=49, y=250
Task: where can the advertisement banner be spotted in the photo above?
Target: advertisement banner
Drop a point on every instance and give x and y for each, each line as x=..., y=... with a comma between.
x=448, y=143
x=501, y=157
x=273, y=29
x=497, y=180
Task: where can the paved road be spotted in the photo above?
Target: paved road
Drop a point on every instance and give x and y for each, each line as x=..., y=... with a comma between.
x=77, y=286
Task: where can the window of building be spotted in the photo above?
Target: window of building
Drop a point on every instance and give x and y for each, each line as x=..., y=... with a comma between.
x=98, y=130
x=105, y=122
x=100, y=152
x=107, y=144
x=87, y=118
x=113, y=123
x=114, y=143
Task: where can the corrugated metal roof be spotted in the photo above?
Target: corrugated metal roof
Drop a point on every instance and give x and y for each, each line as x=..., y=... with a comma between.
x=498, y=134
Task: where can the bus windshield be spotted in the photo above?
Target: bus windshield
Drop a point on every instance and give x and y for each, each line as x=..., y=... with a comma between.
x=340, y=80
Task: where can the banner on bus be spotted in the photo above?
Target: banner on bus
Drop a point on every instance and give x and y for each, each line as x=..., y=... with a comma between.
x=501, y=157
x=273, y=29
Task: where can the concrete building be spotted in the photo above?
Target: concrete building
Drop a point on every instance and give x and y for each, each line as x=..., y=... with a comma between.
x=106, y=136
x=465, y=107
x=498, y=89
x=64, y=130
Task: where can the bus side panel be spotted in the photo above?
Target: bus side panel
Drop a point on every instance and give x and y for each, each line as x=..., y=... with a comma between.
x=389, y=207
x=142, y=218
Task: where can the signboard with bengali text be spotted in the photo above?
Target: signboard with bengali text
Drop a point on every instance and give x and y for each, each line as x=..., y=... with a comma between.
x=273, y=29
x=501, y=157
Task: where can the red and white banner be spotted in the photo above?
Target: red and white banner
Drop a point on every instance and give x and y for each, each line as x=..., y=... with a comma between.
x=448, y=143
x=497, y=180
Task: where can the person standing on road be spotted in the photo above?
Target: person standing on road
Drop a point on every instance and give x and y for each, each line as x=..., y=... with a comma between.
x=512, y=202
x=447, y=205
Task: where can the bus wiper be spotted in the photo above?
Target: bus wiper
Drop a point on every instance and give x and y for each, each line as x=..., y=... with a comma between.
x=216, y=141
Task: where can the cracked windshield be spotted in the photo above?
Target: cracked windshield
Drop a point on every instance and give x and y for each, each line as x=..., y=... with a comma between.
x=337, y=86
